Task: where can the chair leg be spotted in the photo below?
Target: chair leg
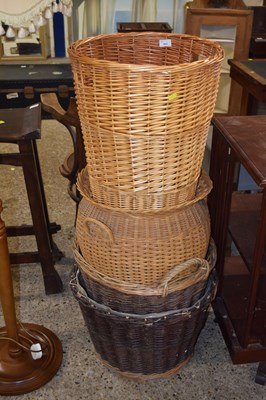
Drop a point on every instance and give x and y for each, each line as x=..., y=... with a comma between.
x=34, y=185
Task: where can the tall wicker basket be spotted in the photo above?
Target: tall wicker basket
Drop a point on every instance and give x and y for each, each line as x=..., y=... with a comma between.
x=144, y=346
x=145, y=101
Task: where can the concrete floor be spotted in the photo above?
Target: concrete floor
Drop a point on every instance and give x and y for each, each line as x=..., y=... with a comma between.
x=210, y=374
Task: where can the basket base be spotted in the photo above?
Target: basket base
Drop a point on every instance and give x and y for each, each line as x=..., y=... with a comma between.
x=143, y=377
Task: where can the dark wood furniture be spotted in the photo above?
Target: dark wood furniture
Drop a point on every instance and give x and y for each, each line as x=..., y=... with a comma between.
x=125, y=27
x=251, y=75
x=76, y=160
x=257, y=47
x=22, y=84
x=21, y=126
x=239, y=230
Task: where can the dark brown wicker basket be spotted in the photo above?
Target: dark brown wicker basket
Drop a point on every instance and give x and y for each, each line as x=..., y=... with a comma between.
x=144, y=346
x=182, y=292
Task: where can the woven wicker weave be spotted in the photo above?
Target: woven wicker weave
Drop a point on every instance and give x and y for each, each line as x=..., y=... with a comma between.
x=130, y=83
x=145, y=110
x=157, y=170
x=141, y=248
x=180, y=287
x=131, y=202
x=144, y=346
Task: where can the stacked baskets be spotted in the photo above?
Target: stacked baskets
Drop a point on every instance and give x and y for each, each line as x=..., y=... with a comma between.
x=144, y=277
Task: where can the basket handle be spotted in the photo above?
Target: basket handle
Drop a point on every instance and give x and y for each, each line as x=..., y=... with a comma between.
x=172, y=276
x=104, y=227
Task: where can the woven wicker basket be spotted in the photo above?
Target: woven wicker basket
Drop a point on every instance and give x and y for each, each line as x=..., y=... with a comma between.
x=145, y=101
x=119, y=200
x=157, y=170
x=132, y=83
x=180, y=287
x=129, y=201
x=144, y=346
x=141, y=248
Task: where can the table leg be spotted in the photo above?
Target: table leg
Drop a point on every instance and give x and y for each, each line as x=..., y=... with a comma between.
x=261, y=373
x=221, y=173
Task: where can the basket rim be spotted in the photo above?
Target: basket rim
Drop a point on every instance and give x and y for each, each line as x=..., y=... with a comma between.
x=134, y=288
x=204, y=187
x=204, y=300
x=147, y=67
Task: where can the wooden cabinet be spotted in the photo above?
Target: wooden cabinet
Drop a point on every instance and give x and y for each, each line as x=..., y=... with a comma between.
x=239, y=230
x=258, y=39
x=231, y=26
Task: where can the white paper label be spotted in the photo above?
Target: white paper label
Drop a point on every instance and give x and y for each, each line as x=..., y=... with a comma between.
x=165, y=42
x=11, y=95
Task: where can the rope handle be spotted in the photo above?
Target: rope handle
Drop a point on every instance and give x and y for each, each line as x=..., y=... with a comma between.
x=104, y=227
x=172, y=276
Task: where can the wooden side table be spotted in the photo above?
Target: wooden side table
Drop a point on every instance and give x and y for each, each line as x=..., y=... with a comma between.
x=251, y=75
x=239, y=230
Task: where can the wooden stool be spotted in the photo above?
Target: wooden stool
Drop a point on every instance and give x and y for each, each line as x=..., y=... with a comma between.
x=22, y=127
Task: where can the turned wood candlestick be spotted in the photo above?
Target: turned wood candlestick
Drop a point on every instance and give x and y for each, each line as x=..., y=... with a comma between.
x=22, y=370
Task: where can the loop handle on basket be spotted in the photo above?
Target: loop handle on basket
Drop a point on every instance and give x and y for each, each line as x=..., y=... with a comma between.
x=173, y=276
x=104, y=227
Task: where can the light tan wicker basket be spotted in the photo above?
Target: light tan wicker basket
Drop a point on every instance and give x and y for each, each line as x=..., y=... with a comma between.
x=145, y=101
x=141, y=248
x=157, y=170
x=149, y=82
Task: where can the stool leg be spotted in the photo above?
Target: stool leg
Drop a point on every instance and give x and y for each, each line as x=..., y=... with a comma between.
x=57, y=254
x=38, y=207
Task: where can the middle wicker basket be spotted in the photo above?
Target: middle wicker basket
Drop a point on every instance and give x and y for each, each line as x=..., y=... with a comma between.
x=182, y=286
x=141, y=248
